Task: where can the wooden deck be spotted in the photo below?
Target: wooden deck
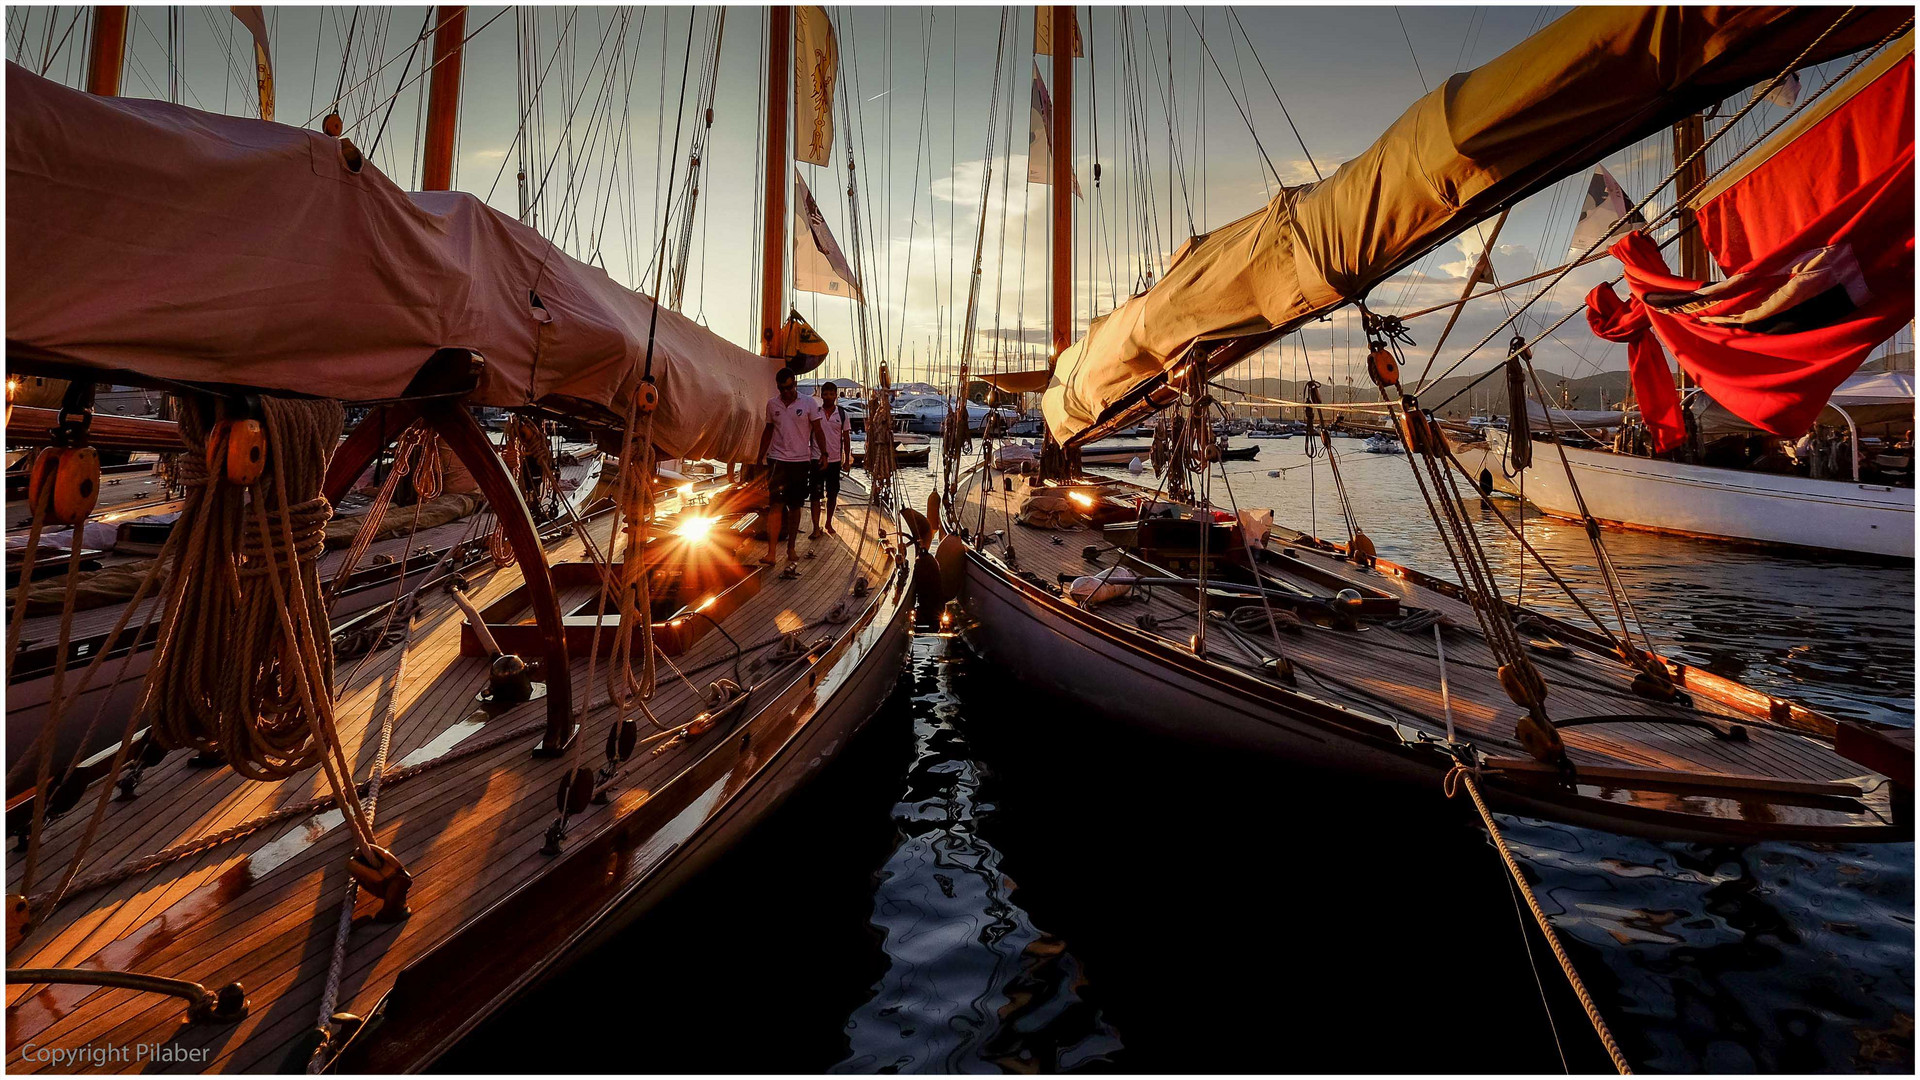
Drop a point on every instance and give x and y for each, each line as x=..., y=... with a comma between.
x=1395, y=675
x=263, y=910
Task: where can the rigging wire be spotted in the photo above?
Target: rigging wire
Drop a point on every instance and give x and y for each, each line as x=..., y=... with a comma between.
x=1408, y=38
x=1262, y=64
x=1231, y=96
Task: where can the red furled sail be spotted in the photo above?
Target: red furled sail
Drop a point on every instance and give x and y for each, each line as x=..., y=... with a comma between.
x=1817, y=240
x=1838, y=153
x=1625, y=321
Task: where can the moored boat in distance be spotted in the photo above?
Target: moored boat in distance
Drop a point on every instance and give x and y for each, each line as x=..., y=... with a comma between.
x=1742, y=505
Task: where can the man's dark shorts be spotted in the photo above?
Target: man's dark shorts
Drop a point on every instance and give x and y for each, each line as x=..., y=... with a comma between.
x=787, y=483
x=827, y=480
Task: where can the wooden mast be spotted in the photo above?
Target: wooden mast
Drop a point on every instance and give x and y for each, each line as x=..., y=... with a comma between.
x=1062, y=180
x=1055, y=463
x=443, y=98
x=1688, y=134
x=773, y=227
x=109, y=51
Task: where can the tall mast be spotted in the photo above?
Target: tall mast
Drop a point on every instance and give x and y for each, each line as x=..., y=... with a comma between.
x=1062, y=180
x=443, y=98
x=1688, y=134
x=1055, y=463
x=773, y=228
x=109, y=51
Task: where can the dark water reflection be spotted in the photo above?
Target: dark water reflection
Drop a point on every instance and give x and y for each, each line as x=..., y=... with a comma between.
x=971, y=985
x=1187, y=910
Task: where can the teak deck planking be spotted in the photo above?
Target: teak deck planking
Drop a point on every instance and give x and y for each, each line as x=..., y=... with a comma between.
x=1399, y=672
x=470, y=833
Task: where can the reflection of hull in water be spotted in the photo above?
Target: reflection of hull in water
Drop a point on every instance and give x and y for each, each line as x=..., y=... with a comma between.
x=971, y=981
x=1706, y=502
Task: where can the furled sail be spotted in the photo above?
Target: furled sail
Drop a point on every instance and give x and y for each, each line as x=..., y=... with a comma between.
x=148, y=237
x=1591, y=82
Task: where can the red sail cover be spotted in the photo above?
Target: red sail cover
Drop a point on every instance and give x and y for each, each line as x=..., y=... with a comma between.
x=1614, y=319
x=1773, y=340
x=1848, y=148
x=149, y=237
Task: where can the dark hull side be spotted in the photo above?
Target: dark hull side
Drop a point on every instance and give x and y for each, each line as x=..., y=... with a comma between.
x=1135, y=679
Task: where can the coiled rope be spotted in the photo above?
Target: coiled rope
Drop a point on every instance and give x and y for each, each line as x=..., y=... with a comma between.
x=242, y=671
x=1460, y=775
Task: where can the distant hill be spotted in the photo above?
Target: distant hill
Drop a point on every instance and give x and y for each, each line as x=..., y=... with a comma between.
x=1604, y=390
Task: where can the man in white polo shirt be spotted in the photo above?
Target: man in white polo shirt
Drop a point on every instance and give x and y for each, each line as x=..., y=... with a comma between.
x=838, y=431
x=791, y=445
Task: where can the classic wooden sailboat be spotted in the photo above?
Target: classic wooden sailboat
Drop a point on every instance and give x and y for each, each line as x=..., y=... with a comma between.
x=1631, y=491
x=369, y=854
x=1840, y=502
x=1161, y=608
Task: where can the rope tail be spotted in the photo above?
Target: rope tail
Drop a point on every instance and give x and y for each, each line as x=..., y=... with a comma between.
x=1460, y=776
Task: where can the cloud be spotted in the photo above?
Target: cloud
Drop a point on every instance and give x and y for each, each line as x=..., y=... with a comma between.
x=1296, y=171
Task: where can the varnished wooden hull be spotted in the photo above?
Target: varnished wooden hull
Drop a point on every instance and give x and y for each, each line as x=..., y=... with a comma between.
x=1148, y=683
x=491, y=911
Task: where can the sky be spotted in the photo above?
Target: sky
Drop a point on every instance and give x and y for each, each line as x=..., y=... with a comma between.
x=597, y=142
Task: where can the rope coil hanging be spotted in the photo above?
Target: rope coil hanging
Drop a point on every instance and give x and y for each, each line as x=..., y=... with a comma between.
x=244, y=671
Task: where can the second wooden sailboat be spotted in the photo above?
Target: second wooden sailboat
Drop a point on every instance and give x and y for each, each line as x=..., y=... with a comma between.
x=1162, y=607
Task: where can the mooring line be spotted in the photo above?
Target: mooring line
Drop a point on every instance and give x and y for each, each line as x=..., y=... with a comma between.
x=1461, y=774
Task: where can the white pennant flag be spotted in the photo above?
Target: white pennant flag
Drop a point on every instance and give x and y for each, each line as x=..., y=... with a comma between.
x=1603, y=213
x=255, y=20
x=1786, y=93
x=818, y=265
x=816, y=63
x=1040, y=136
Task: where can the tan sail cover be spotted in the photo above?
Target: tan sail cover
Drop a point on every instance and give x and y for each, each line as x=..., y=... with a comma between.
x=148, y=237
x=1593, y=81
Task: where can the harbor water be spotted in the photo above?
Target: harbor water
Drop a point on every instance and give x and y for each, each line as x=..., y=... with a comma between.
x=994, y=880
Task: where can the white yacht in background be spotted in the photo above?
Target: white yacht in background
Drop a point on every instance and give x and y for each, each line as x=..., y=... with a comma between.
x=1856, y=495
x=927, y=413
